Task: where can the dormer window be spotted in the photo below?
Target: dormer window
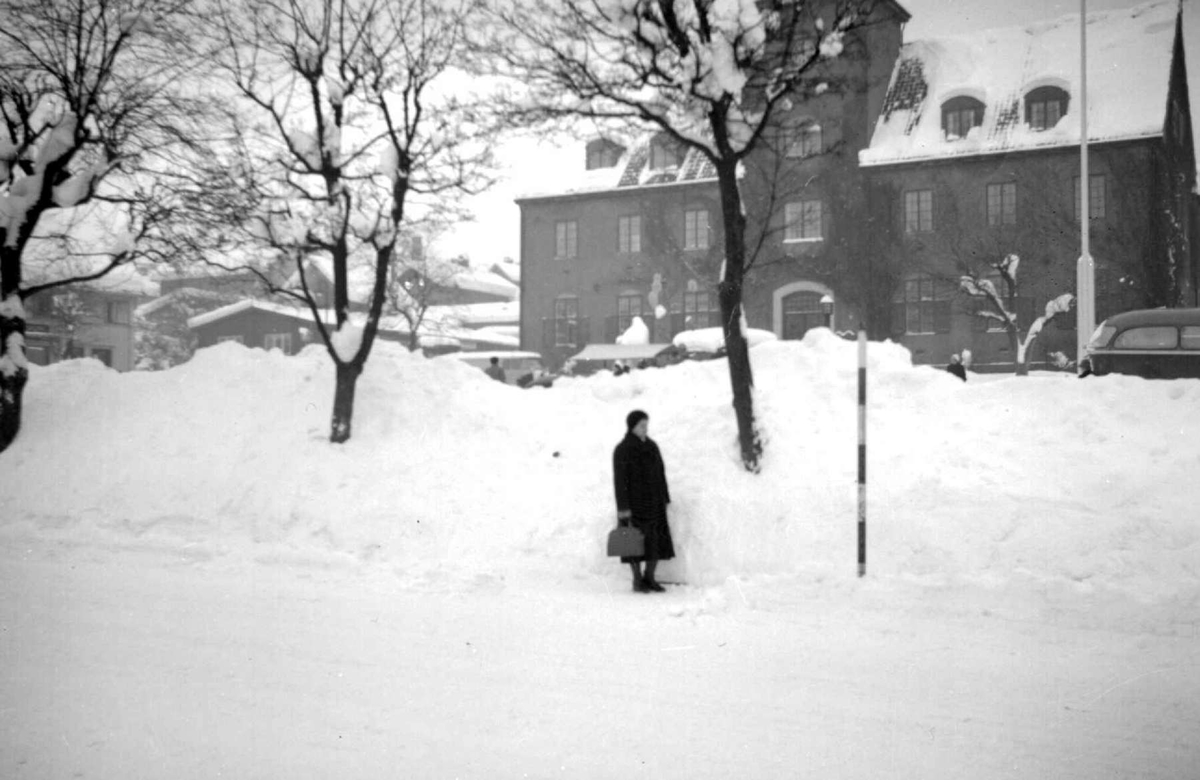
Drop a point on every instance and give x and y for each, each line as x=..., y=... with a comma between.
x=804, y=140
x=959, y=115
x=603, y=153
x=664, y=153
x=1044, y=106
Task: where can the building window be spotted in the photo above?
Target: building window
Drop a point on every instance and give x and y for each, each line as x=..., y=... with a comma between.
x=923, y=306
x=629, y=305
x=695, y=229
x=1044, y=106
x=103, y=354
x=959, y=115
x=603, y=153
x=804, y=140
x=801, y=313
x=698, y=310
x=802, y=220
x=1002, y=204
x=664, y=153
x=566, y=322
x=280, y=341
x=566, y=239
x=118, y=312
x=918, y=211
x=239, y=339
x=629, y=234
x=1097, y=197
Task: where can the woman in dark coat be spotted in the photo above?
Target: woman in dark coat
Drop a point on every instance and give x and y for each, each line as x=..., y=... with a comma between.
x=640, y=483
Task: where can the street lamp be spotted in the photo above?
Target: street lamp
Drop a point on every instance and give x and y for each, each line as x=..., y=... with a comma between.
x=1085, y=268
x=827, y=310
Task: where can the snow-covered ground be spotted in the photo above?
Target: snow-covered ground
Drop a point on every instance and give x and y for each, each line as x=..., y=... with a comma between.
x=194, y=583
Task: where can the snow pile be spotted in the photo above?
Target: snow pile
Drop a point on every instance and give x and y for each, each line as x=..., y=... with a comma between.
x=1039, y=482
x=636, y=333
x=713, y=339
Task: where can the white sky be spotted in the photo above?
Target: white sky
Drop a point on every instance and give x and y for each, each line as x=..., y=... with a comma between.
x=531, y=165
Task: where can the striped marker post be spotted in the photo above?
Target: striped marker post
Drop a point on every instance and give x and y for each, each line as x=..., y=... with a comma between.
x=862, y=453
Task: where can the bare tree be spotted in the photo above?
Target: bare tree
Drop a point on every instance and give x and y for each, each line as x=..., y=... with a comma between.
x=711, y=76
x=999, y=307
x=91, y=112
x=415, y=285
x=352, y=125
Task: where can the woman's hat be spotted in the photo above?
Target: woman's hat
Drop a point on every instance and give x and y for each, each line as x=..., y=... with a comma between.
x=635, y=417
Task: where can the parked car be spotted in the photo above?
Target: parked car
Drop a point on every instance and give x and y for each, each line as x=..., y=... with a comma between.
x=1151, y=343
x=524, y=369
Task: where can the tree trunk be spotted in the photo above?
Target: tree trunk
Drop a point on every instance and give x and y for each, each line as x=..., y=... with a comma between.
x=729, y=293
x=1020, y=355
x=13, y=376
x=343, y=400
x=13, y=367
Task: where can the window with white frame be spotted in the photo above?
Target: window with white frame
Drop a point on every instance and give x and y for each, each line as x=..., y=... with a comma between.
x=918, y=211
x=629, y=234
x=1044, y=106
x=280, y=341
x=802, y=220
x=695, y=229
x=960, y=115
x=566, y=239
x=1002, y=204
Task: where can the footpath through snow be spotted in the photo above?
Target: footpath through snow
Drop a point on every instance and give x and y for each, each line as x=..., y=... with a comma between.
x=1044, y=483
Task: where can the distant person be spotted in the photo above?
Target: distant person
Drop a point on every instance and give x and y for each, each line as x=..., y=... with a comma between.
x=640, y=483
x=619, y=368
x=495, y=371
x=957, y=368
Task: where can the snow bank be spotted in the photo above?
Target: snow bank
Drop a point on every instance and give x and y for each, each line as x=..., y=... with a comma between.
x=1035, y=481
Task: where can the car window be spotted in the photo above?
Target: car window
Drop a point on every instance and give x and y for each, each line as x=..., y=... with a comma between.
x=1156, y=337
x=525, y=364
x=1189, y=337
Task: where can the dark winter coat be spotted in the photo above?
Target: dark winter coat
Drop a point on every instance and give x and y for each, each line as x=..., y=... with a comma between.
x=639, y=479
x=958, y=370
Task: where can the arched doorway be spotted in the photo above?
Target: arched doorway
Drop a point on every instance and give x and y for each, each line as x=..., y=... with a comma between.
x=798, y=309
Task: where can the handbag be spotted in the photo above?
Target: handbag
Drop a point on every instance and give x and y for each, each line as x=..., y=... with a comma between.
x=625, y=541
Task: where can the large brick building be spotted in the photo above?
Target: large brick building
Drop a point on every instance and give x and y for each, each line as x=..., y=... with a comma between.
x=927, y=160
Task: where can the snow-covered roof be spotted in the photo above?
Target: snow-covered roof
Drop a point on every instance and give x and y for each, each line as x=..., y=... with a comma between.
x=1129, y=64
x=508, y=269
x=479, y=280
x=432, y=331
x=631, y=170
x=478, y=314
x=150, y=307
x=241, y=306
x=620, y=352
x=713, y=339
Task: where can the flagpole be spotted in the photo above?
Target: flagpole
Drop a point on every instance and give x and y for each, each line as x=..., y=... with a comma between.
x=1085, y=270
